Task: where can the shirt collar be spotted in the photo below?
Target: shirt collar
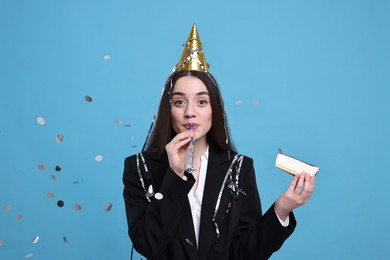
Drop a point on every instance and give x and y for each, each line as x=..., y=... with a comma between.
x=205, y=156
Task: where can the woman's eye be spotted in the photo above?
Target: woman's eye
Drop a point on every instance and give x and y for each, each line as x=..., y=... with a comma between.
x=203, y=102
x=178, y=102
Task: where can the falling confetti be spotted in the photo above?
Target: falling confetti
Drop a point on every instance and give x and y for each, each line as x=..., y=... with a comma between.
x=35, y=239
x=238, y=102
x=41, y=121
x=118, y=122
x=60, y=138
x=255, y=102
x=76, y=206
x=42, y=166
x=132, y=138
x=1, y=242
x=88, y=98
x=18, y=217
x=58, y=168
x=50, y=195
x=98, y=158
x=108, y=206
x=7, y=208
x=65, y=239
x=60, y=203
x=127, y=125
x=28, y=256
x=54, y=177
x=158, y=196
x=107, y=57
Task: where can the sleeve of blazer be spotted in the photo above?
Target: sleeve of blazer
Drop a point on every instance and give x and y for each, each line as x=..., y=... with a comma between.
x=152, y=225
x=258, y=236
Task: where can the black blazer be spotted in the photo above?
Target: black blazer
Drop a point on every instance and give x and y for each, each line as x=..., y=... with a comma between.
x=163, y=229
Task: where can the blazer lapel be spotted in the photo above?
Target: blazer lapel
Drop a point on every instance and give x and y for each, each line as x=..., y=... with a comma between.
x=216, y=171
x=187, y=233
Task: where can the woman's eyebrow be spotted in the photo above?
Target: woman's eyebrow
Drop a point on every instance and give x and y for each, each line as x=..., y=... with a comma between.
x=183, y=94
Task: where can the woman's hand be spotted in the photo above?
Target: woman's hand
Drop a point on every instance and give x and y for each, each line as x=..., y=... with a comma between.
x=297, y=194
x=176, y=150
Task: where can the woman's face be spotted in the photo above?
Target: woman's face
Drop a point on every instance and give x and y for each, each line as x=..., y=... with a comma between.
x=191, y=106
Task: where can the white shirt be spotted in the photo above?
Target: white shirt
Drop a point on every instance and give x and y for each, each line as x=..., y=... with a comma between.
x=195, y=198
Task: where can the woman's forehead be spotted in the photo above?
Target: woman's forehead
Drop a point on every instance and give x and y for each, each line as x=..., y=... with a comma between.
x=189, y=84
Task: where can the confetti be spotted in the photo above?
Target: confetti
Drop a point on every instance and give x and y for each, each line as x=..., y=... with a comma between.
x=108, y=206
x=65, y=239
x=1, y=242
x=54, y=177
x=60, y=203
x=76, y=206
x=60, y=138
x=42, y=166
x=88, y=98
x=127, y=125
x=41, y=121
x=150, y=191
x=238, y=102
x=255, y=102
x=18, y=217
x=158, y=196
x=107, y=57
x=50, y=195
x=118, y=122
x=98, y=158
x=28, y=256
x=7, y=208
x=58, y=168
x=35, y=239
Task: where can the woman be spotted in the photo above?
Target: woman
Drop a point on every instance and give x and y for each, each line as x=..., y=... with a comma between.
x=214, y=212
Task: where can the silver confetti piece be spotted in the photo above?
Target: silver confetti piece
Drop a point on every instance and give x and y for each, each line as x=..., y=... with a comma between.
x=59, y=138
x=150, y=191
x=88, y=98
x=108, y=206
x=76, y=206
x=35, y=239
x=41, y=121
x=158, y=196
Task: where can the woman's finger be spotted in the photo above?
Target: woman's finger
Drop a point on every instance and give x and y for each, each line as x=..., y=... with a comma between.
x=293, y=184
x=301, y=181
x=308, y=189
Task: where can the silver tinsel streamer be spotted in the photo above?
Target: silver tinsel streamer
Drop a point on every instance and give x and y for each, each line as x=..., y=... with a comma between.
x=236, y=158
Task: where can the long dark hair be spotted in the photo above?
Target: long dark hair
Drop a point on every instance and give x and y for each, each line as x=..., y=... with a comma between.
x=163, y=132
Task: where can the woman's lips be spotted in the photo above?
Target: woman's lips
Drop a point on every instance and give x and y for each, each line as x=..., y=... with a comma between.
x=194, y=126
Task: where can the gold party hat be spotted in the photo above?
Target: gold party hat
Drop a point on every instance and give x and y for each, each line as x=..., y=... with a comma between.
x=193, y=57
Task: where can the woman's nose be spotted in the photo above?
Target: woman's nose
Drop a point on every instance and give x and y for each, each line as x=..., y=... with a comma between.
x=190, y=111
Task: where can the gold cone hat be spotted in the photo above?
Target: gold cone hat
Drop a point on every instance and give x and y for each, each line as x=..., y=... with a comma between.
x=193, y=57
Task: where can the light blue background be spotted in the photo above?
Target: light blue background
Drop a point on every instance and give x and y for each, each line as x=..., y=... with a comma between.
x=310, y=77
